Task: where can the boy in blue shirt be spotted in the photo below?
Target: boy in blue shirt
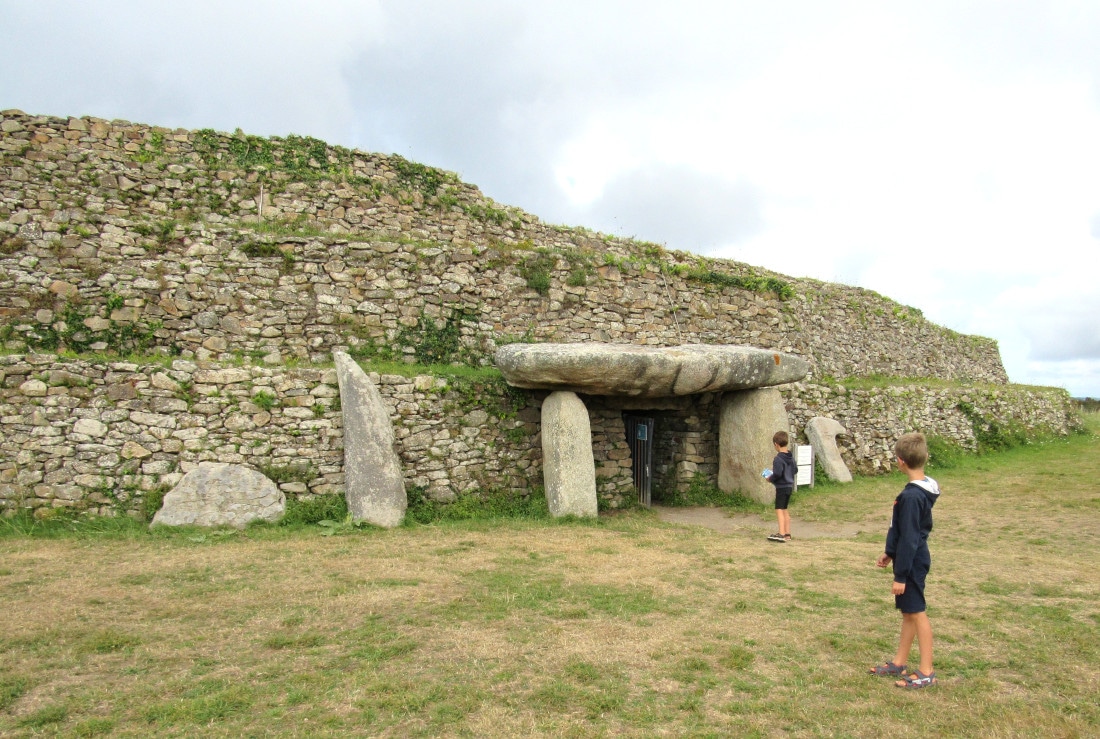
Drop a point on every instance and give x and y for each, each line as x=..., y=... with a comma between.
x=907, y=548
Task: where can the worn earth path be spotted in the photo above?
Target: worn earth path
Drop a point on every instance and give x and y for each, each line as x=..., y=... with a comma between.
x=720, y=520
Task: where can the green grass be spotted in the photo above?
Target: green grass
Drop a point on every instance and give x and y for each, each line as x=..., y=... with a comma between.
x=624, y=626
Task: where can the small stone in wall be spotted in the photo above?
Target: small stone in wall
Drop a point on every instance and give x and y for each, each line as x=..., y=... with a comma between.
x=133, y=450
x=34, y=389
x=90, y=427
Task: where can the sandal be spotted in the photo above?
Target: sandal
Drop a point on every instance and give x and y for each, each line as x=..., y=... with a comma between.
x=776, y=537
x=889, y=669
x=917, y=680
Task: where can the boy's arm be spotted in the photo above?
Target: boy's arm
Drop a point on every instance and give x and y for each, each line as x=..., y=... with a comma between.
x=777, y=467
x=907, y=536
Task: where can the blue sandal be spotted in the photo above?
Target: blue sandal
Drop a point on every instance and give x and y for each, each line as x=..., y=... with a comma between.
x=917, y=680
x=889, y=669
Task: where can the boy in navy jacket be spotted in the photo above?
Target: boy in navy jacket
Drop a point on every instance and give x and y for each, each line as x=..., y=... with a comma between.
x=782, y=474
x=907, y=548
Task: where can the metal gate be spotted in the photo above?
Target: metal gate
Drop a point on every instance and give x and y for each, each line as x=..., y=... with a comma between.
x=639, y=435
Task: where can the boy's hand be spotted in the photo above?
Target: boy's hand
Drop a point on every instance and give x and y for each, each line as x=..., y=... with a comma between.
x=883, y=560
x=898, y=589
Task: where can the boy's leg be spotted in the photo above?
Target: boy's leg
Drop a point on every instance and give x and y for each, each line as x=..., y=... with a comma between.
x=905, y=643
x=915, y=625
x=924, y=640
x=781, y=516
x=778, y=536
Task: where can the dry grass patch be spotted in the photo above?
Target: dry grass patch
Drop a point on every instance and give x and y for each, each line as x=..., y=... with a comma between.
x=628, y=627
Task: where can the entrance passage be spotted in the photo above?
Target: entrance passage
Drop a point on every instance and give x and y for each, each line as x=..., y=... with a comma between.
x=639, y=436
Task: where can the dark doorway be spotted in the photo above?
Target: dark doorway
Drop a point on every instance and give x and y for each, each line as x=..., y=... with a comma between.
x=639, y=436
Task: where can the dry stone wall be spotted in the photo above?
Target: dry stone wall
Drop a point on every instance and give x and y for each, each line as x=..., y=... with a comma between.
x=235, y=257
x=103, y=435
x=118, y=235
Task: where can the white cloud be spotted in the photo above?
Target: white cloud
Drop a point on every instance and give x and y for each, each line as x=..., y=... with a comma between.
x=270, y=68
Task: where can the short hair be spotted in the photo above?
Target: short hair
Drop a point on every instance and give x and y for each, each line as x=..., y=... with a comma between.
x=913, y=450
x=781, y=438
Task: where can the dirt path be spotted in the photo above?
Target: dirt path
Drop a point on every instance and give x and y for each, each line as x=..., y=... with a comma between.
x=719, y=520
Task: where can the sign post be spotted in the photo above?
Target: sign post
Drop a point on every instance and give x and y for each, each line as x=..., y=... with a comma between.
x=804, y=458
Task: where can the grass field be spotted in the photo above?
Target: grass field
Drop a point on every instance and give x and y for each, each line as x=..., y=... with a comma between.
x=622, y=627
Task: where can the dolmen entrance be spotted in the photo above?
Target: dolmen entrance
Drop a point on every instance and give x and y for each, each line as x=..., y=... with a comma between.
x=751, y=408
x=751, y=411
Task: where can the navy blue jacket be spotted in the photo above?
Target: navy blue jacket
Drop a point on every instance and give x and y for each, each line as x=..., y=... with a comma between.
x=907, y=539
x=783, y=472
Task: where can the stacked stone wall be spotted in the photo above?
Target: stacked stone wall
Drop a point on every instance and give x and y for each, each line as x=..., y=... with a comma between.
x=234, y=257
x=118, y=235
x=102, y=435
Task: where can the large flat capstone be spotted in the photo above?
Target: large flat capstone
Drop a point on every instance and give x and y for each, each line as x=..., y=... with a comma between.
x=648, y=372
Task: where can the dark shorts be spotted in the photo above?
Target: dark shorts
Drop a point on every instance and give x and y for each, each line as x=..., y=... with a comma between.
x=912, y=600
x=782, y=499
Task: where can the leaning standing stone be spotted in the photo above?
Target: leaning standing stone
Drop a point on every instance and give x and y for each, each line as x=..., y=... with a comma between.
x=822, y=433
x=216, y=494
x=569, y=471
x=373, y=481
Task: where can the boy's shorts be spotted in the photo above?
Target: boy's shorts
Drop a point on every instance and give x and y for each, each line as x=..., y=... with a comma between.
x=782, y=499
x=912, y=600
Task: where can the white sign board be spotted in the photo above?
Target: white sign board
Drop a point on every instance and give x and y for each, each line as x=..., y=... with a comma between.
x=804, y=458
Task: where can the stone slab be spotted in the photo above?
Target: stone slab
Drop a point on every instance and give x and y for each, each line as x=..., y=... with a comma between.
x=217, y=494
x=746, y=425
x=640, y=371
x=373, y=480
x=822, y=432
x=568, y=467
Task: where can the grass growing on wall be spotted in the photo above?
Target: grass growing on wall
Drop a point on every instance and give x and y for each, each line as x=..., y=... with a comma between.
x=703, y=272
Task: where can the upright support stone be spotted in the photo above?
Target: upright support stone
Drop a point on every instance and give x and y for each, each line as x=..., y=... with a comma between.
x=569, y=471
x=749, y=419
x=373, y=480
x=822, y=433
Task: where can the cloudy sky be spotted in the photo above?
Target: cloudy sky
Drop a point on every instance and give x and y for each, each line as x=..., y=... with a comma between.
x=944, y=154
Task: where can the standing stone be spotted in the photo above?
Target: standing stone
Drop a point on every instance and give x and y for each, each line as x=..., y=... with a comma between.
x=748, y=421
x=569, y=471
x=822, y=433
x=373, y=481
x=216, y=494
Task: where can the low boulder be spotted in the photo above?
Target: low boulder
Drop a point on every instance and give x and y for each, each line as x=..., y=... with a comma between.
x=217, y=494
